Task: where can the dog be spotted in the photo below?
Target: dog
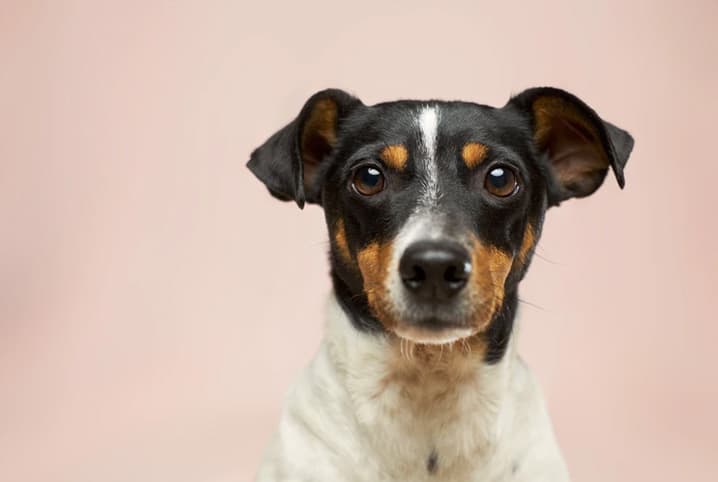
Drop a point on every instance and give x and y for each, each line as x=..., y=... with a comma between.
x=434, y=210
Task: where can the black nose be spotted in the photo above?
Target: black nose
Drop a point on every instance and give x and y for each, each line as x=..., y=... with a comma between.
x=435, y=270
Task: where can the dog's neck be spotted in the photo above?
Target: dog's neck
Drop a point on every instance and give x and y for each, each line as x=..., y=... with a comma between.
x=419, y=398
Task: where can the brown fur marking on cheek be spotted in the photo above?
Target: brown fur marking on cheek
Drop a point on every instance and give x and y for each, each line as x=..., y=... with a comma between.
x=395, y=156
x=473, y=153
x=340, y=239
x=491, y=267
x=373, y=263
x=527, y=244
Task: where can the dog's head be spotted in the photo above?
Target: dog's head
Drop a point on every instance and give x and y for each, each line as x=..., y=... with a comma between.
x=434, y=208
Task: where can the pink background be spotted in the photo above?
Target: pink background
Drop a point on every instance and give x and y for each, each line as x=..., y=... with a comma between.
x=144, y=334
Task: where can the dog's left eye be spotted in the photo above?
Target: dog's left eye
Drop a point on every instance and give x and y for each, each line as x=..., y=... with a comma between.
x=368, y=180
x=501, y=181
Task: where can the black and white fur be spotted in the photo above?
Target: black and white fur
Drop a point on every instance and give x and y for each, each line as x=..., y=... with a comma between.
x=434, y=209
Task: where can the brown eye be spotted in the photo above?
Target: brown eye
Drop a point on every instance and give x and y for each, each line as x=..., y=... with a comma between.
x=501, y=181
x=368, y=180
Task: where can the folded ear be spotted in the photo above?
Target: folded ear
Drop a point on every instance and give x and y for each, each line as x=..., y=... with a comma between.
x=577, y=143
x=288, y=162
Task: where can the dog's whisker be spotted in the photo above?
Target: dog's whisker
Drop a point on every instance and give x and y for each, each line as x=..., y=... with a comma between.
x=533, y=305
x=537, y=252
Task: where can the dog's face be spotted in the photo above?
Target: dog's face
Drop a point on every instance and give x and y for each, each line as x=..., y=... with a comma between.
x=434, y=208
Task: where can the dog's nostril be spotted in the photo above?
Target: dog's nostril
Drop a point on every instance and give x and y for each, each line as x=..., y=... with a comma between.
x=435, y=270
x=417, y=278
x=456, y=275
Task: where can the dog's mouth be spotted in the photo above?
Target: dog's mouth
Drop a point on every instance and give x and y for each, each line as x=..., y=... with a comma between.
x=437, y=324
x=433, y=331
x=436, y=321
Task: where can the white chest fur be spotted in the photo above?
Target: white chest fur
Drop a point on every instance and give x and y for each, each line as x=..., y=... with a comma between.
x=366, y=411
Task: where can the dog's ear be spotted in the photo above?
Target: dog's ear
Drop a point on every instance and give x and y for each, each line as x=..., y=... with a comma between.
x=288, y=162
x=578, y=145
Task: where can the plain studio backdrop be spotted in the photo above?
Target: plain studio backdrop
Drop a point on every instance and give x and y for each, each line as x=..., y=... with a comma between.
x=156, y=303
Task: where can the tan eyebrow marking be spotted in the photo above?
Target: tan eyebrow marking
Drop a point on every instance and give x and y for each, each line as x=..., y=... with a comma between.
x=473, y=153
x=395, y=156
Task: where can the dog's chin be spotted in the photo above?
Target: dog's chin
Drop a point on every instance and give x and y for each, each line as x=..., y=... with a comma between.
x=431, y=333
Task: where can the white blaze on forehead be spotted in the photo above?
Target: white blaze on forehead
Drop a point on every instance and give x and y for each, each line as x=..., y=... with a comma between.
x=428, y=124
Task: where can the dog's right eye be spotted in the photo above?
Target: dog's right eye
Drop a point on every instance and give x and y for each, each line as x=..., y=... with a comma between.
x=368, y=180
